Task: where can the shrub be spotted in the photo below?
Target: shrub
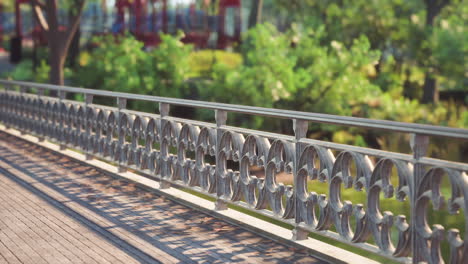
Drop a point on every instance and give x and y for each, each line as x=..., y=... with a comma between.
x=121, y=64
x=202, y=62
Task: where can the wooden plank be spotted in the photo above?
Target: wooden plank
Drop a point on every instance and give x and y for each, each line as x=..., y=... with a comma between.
x=41, y=243
x=113, y=254
x=160, y=229
x=47, y=238
x=7, y=255
x=144, y=250
x=14, y=243
x=52, y=225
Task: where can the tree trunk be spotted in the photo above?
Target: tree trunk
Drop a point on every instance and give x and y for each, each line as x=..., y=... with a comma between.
x=74, y=49
x=255, y=16
x=57, y=55
x=431, y=93
x=56, y=60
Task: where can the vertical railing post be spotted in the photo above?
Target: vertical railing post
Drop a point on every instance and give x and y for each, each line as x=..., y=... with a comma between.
x=62, y=95
x=221, y=117
x=22, y=111
x=300, y=131
x=40, y=92
x=23, y=89
x=121, y=105
x=12, y=106
x=88, y=99
x=419, y=145
x=7, y=107
x=164, y=153
x=89, y=128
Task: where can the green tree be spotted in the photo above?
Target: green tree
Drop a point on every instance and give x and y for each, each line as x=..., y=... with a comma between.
x=332, y=78
x=417, y=38
x=433, y=9
x=294, y=70
x=449, y=48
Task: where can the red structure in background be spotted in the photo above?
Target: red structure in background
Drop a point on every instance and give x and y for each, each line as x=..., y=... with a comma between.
x=121, y=5
x=224, y=40
x=16, y=41
x=37, y=33
x=199, y=38
x=137, y=9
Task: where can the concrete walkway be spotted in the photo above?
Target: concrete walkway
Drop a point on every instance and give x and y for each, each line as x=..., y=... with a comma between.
x=56, y=210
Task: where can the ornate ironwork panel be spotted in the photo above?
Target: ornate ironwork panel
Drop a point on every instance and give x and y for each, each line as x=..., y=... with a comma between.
x=271, y=174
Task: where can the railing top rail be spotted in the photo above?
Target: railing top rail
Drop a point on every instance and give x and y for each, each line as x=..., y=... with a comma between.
x=279, y=113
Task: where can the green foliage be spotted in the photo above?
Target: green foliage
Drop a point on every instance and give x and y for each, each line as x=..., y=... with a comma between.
x=202, y=62
x=169, y=65
x=42, y=72
x=347, y=20
x=24, y=72
x=326, y=75
x=269, y=65
x=266, y=75
x=299, y=70
x=463, y=122
x=114, y=66
x=398, y=29
x=122, y=64
x=411, y=111
x=450, y=50
x=293, y=70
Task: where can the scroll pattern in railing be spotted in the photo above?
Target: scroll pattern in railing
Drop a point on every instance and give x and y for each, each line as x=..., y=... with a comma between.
x=158, y=145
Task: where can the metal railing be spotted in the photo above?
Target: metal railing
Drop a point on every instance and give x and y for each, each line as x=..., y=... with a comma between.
x=158, y=144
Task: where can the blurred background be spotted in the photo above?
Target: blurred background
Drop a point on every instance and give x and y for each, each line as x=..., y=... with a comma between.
x=381, y=59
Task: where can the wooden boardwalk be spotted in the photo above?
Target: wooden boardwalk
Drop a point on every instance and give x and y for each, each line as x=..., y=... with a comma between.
x=56, y=210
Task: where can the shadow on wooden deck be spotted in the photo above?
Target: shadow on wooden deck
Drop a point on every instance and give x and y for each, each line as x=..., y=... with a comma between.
x=147, y=227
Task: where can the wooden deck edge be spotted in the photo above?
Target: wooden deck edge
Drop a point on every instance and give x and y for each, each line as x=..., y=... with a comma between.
x=318, y=249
